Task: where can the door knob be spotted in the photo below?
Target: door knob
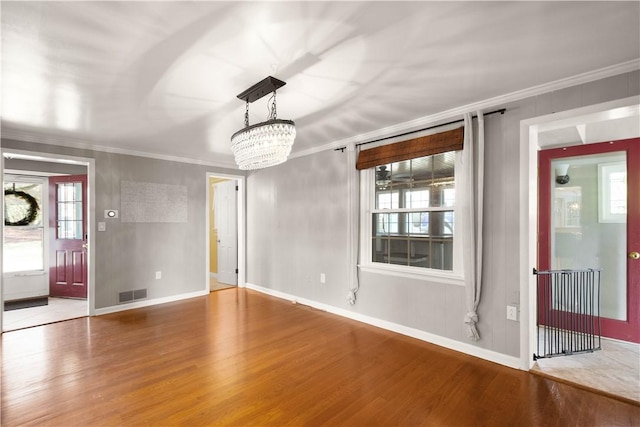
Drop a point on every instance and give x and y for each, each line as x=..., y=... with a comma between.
x=634, y=255
x=85, y=245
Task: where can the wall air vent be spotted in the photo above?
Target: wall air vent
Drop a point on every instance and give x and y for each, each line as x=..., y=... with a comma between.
x=128, y=296
x=139, y=293
x=125, y=296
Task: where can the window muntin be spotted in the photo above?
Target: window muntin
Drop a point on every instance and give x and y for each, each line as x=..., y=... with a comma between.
x=69, y=219
x=412, y=222
x=23, y=244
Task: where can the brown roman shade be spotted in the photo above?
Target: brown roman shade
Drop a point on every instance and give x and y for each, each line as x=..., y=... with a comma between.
x=412, y=148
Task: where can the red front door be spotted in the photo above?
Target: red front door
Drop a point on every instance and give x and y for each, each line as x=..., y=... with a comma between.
x=590, y=218
x=68, y=229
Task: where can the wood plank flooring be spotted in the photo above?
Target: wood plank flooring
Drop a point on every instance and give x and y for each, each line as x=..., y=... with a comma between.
x=237, y=357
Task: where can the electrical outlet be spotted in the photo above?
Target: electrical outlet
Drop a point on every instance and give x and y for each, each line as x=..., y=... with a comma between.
x=323, y=278
x=512, y=312
x=158, y=275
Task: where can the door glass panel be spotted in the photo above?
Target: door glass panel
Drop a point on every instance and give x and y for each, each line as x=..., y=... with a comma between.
x=69, y=210
x=589, y=223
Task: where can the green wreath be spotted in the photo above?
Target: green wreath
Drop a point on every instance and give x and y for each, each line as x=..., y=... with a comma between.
x=30, y=213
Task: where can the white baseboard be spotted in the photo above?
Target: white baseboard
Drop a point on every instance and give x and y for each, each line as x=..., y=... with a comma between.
x=149, y=302
x=492, y=356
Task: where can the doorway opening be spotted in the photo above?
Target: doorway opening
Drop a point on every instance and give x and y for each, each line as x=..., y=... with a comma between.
x=47, y=269
x=611, y=368
x=225, y=231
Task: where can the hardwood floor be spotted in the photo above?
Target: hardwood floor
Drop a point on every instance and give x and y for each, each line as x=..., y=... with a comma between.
x=237, y=357
x=214, y=285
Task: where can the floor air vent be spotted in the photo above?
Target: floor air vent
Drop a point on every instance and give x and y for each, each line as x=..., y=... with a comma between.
x=128, y=296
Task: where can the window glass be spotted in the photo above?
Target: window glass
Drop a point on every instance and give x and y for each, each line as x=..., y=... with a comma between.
x=416, y=198
x=24, y=230
x=23, y=249
x=419, y=195
x=387, y=199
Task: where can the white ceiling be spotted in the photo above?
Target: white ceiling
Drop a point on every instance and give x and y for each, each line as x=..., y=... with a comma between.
x=162, y=77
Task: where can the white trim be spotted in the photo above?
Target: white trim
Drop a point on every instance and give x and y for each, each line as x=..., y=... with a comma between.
x=412, y=210
x=492, y=356
x=415, y=273
x=242, y=230
x=241, y=182
x=148, y=303
x=486, y=104
x=528, y=206
x=1, y=243
x=71, y=142
x=24, y=273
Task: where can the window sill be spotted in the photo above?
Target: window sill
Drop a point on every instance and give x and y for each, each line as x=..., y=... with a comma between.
x=24, y=273
x=448, y=278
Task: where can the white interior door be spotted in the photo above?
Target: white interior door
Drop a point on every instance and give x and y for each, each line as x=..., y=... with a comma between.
x=225, y=203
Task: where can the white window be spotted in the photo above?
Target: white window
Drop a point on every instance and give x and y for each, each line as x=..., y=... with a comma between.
x=24, y=231
x=408, y=217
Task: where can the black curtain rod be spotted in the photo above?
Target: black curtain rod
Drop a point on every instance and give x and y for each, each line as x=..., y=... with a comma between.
x=501, y=111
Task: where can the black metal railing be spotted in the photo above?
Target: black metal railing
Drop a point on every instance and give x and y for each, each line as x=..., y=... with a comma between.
x=568, y=317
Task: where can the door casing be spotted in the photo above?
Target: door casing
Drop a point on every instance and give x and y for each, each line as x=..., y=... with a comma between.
x=90, y=164
x=528, y=202
x=617, y=329
x=241, y=225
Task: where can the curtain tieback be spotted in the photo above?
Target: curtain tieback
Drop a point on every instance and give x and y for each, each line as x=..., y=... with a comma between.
x=471, y=318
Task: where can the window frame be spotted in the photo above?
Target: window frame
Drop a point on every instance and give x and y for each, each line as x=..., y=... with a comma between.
x=367, y=211
x=44, y=204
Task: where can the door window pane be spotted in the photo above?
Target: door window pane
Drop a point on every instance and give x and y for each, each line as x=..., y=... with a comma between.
x=69, y=210
x=581, y=236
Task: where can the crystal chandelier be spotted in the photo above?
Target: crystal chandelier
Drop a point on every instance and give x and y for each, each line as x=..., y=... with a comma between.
x=263, y=144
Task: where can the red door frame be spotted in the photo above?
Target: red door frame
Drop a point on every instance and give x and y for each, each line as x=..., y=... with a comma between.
x=628, y=330
x=68, y=261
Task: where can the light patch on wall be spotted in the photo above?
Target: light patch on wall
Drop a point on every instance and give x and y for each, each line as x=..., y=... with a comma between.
x=150, y=202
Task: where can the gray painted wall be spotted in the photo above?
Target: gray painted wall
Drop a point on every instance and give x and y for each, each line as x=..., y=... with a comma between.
x=53, y=168
x=297, y=229
x=129, y=254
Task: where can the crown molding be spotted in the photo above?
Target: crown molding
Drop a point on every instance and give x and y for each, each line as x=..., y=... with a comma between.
x=425, y=121
x=486, y=104
x=72, y=142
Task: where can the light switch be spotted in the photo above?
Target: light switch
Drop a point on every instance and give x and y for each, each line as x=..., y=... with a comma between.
x=102, y=226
